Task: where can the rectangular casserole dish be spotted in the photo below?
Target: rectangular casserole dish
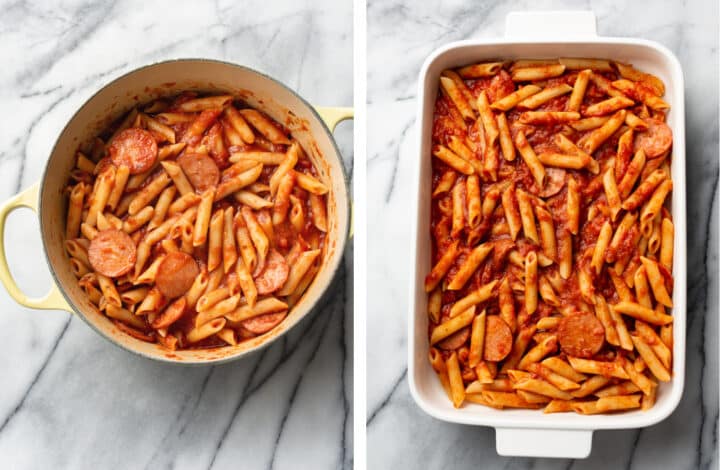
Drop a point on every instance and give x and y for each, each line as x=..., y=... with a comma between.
x=535, y=35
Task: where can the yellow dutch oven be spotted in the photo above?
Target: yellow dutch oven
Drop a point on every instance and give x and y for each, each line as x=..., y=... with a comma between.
x=311, y=126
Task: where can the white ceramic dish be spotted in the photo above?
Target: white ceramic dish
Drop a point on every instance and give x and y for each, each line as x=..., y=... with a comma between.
x=542, y=35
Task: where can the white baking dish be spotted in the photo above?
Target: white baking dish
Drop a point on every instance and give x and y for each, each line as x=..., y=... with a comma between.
x=542, y=35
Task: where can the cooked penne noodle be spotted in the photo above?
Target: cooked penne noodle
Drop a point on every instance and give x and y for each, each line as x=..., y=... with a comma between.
x=162, y=207
x=547, y=94
x=473, y=200
x=645, y=190
x=601, y=245
x=578, y=90
x=611, y=193
x=657, y=281
x=477, y=340
x=237, y=182
x=602, y=133
x=648, y=315
x=449, y=86
x=298, y=270
x=642, y=290
x=531, y=281
x=608, y=106
x=282, y=198
x=506, y=142
x=487, y=69
x=178, y=177
x=215, y=238
x=310, y=184
x=206, y=330
x=202, y=221
x=604, y=368
x=453, y=160
x=122, y=174
x=667, y=232
x=469, y=266
x=548, y=117
x=75, y=207
x=134, y=222
x=262, y=307
x=251, y=200
x=580, y=64
x=265, y=126
x=146, y=195
x=100, y=195
x=539, y=72
x=481, y=294
x=457, y=389
x=441, y=267
x=641, y=93
x=507, y=304
x=527, y=216
x=652, y=361
x=510, y=101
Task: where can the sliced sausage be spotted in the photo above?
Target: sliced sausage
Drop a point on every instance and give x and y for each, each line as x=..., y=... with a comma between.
x=134, y=148
x=554, y=182
x=455, y=340
x=176, y=274
x=112, y=253
x=581, y=335
x=656, y=140
x=263, y=323
x=171, y=314
x=201, y=170
x=273, y=275
x=498, y=339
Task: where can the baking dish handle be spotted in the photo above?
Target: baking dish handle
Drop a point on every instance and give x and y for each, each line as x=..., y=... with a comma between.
x=54, y=299
x=551, y=24
x=559, y=443
x=332, y=116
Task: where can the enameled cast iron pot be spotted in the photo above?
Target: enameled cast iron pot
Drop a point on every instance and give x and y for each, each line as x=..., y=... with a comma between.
x=311, y=126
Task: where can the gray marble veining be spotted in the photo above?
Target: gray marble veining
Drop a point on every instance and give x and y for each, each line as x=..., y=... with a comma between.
x=400, y=35
x=70, y=399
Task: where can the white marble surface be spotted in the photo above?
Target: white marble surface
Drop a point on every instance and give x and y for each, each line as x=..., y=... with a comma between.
x=401, y=34
x=70, y=399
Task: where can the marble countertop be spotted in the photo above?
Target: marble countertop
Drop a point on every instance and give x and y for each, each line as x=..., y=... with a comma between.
x=68, y=398
x=401, y=34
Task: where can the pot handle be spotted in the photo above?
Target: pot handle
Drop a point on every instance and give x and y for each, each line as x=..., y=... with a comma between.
x=551, y=24
x=558, y=443
x=333, y=115
x=54, y=300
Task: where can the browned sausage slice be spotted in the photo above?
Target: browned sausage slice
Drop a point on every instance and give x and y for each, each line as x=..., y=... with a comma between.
x=274, y=275
x=201, y=170
x=554, y=182
x=581, y=335
x=498, y=339
x=176, y=274
x=656, y=140
x=455, y=340
x=263, y=323
x=112, y=253
x=171, y=314
x=134, y=148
